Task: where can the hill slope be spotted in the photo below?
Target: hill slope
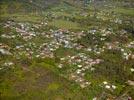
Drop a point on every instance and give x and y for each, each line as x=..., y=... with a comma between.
x=18, y=6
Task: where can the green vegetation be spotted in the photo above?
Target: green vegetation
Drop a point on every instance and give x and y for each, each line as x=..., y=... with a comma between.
x=125, y=11
x=64, y=24
x=60, y=50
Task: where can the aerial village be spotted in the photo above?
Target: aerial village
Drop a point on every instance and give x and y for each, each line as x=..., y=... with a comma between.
x=92, y=56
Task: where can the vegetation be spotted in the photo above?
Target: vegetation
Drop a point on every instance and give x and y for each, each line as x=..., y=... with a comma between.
x=63, y=50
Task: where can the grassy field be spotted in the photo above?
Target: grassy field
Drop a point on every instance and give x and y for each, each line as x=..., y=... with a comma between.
x=125, y=11
x=64, y=24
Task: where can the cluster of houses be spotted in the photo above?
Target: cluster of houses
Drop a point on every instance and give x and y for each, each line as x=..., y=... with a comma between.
x=25, y=30
x=82, y=63
x=7, y=65
x=67, y=39
x=108, y=85
x=5, y=49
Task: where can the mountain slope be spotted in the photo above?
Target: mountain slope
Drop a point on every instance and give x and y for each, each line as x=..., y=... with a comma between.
x=18, y=6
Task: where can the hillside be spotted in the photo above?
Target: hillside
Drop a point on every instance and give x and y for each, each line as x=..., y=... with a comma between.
x=24, y=6
x=66, y=50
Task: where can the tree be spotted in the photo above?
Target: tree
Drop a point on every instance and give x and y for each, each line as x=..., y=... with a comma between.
x=86, y=2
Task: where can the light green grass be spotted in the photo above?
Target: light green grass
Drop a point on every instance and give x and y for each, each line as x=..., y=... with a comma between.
x=53, y=86
x=125, y=11
x=22, y=17
x=64, y=24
